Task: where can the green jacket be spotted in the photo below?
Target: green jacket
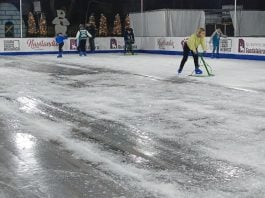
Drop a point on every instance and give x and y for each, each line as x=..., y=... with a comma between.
x=194, y=41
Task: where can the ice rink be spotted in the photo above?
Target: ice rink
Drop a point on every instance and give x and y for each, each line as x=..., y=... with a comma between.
x=115, y=126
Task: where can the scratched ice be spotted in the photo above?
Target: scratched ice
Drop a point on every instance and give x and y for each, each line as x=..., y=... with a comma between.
x=109, y=125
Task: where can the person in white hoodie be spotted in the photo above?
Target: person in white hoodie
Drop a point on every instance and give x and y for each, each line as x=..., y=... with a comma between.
x=81, y=38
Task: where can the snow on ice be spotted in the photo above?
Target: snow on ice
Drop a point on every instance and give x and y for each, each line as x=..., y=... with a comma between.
x=110, y=125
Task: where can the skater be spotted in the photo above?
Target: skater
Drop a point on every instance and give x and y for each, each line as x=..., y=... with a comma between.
x=60, y=41
x=81, y=38
x=92, y=30
x=191, y=45
x=128, y=40
x=215, y=40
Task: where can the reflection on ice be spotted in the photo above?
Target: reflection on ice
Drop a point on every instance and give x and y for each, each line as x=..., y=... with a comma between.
x=29, y=105
x=137, y=159
x=144, y=142
x=24, y=141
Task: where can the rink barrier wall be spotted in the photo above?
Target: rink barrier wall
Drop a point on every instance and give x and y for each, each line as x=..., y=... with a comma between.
x=249, y=48
x=228, y=56
x=55, y=52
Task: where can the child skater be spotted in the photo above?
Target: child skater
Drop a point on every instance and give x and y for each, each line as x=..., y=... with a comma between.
x=81, y=37
x=128, y=40
x=191, y=45
x=60, y=41
x=215, y=40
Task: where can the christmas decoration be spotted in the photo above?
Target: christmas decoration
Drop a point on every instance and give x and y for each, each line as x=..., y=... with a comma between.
x=103, y=27
x=43, y=26
x=117, y=26
x=127, y=22
x=31, y=25
x=60, y=22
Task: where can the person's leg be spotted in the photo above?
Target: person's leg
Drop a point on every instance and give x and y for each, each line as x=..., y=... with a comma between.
x=82, y=45
x=196, y=63
x=217, y=51
x=186, y=51
x=196, y=60
x=214, y=49
x=93, y=45
x=130, y=47
x=60, y=50
x=126, y=47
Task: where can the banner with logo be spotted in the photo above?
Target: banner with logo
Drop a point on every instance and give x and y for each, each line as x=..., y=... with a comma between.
x=11, y=45
x=28, y=45
x=236, y=46
x=176, y=44
x=251, y=46
x=162, y=43
x=50, y=45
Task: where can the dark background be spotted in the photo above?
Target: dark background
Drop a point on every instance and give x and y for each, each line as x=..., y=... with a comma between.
x=78, y=11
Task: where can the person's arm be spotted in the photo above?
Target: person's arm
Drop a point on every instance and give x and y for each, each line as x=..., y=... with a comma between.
x=203, y=44
x=77, y=35
x=222, y=35
x=88, y=34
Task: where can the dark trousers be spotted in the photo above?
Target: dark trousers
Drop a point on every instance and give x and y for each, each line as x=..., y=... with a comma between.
x=186, y=51
x=128, y=47
x=92, y=44
x=61, y=48
x=82, y=45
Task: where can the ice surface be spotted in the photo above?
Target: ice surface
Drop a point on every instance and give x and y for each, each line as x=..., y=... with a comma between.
x=136, y=124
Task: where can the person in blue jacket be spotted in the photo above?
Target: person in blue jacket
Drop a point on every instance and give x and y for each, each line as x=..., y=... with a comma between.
x=60, y=41
x=215, y=40
x=128, y=40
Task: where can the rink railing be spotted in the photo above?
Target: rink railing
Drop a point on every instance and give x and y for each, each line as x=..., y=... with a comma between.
x=238, y=48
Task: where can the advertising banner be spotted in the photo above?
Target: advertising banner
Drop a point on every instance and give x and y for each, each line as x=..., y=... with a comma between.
x=11, y=45
x=251, y=46
x=228, y=46
x=163, y=43
x=50, y=45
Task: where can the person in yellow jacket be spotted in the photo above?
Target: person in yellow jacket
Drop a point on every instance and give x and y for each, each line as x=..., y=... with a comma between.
x=191, y=45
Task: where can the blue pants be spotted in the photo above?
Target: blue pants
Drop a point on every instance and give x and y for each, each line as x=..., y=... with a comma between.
x=216, y=48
